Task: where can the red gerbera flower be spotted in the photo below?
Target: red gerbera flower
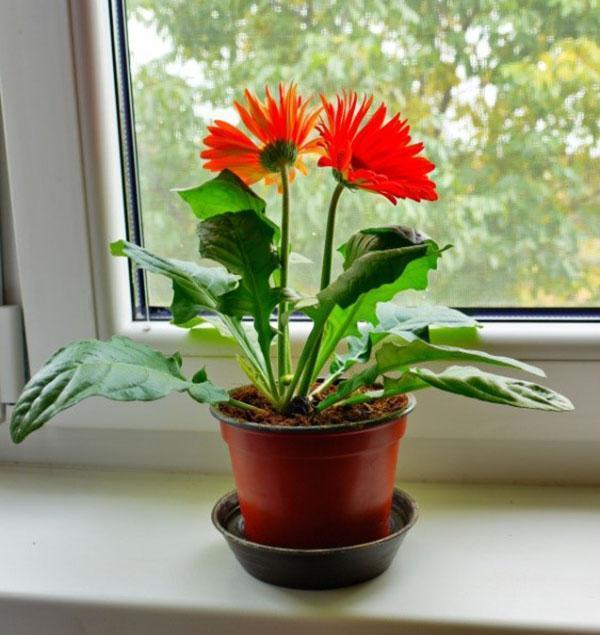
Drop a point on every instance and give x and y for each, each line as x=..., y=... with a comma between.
x=281, y=128
x=377, y=156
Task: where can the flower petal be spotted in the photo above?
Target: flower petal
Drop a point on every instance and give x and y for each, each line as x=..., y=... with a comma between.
x=372, y=154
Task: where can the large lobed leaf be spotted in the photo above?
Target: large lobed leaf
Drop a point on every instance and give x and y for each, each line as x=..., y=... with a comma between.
x=379, y=239
x=195, y=288
x=477, y=384
x=393, y=318
x=376, y=269
x=376, y=272
x=397, y=355
x=370, y=273
x=225, y=193
x=243, y=243
x=198, y=289
x=358, y=351
x=119, y=369
x=407, y=322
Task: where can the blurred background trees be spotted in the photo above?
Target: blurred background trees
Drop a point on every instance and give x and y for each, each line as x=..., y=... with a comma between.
x=504, y=93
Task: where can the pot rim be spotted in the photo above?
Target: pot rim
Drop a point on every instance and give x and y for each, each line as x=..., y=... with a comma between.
x=338, y=427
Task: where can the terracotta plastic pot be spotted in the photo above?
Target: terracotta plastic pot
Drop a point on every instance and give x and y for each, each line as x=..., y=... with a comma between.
x=315, y=487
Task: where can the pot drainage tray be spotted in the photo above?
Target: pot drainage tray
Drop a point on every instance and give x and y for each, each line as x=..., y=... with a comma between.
x=314, y=568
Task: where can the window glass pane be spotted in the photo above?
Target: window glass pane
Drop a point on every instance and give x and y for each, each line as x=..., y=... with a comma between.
x=505, y=95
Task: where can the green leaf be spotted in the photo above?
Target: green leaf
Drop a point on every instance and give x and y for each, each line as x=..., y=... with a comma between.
x=119, y=369
x=397, y=355
x=359, y=351
x=207, y=392
x=370, y=272
x=473, y=383
x=225, y=193
x=200, y=376
x=376, y=277
x=477, y=384
x=219, y=323
x=255, y=377
x=379, y=239
x=204, y=391
x=393, y=318
x=195, y=288
x=379, y=263
x=243, y=243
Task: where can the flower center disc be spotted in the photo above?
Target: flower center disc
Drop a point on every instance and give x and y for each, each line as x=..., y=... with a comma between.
x=277, y=154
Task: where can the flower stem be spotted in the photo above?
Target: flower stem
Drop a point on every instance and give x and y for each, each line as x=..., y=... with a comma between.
x=334, y=339
x=328, y=247
x=313, y=337
x=284, y=356
x=306, y=382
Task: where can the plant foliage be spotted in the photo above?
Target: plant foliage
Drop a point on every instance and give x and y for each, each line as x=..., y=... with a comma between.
x=238, y=286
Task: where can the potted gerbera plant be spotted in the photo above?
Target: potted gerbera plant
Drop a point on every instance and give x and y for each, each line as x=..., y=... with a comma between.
x=313, y=446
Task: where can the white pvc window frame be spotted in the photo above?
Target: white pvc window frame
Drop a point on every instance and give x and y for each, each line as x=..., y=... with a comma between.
x=61, y=140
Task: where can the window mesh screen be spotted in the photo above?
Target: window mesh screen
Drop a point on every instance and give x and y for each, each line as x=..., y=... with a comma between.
x=505, y=95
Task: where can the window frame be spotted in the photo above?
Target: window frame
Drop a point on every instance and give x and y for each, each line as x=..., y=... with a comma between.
x=56, y=59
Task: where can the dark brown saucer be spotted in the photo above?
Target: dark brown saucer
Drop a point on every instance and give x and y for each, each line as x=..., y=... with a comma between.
x=314, y=568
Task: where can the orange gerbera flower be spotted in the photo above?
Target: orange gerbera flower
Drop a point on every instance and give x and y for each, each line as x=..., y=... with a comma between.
x=377, y=156
x=281, y=129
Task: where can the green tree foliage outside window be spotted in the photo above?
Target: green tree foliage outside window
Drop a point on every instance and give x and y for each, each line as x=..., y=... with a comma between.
x=504, y=93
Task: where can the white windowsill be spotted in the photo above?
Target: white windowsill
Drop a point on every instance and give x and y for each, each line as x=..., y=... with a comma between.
x=135, y=552
x=526, y=340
